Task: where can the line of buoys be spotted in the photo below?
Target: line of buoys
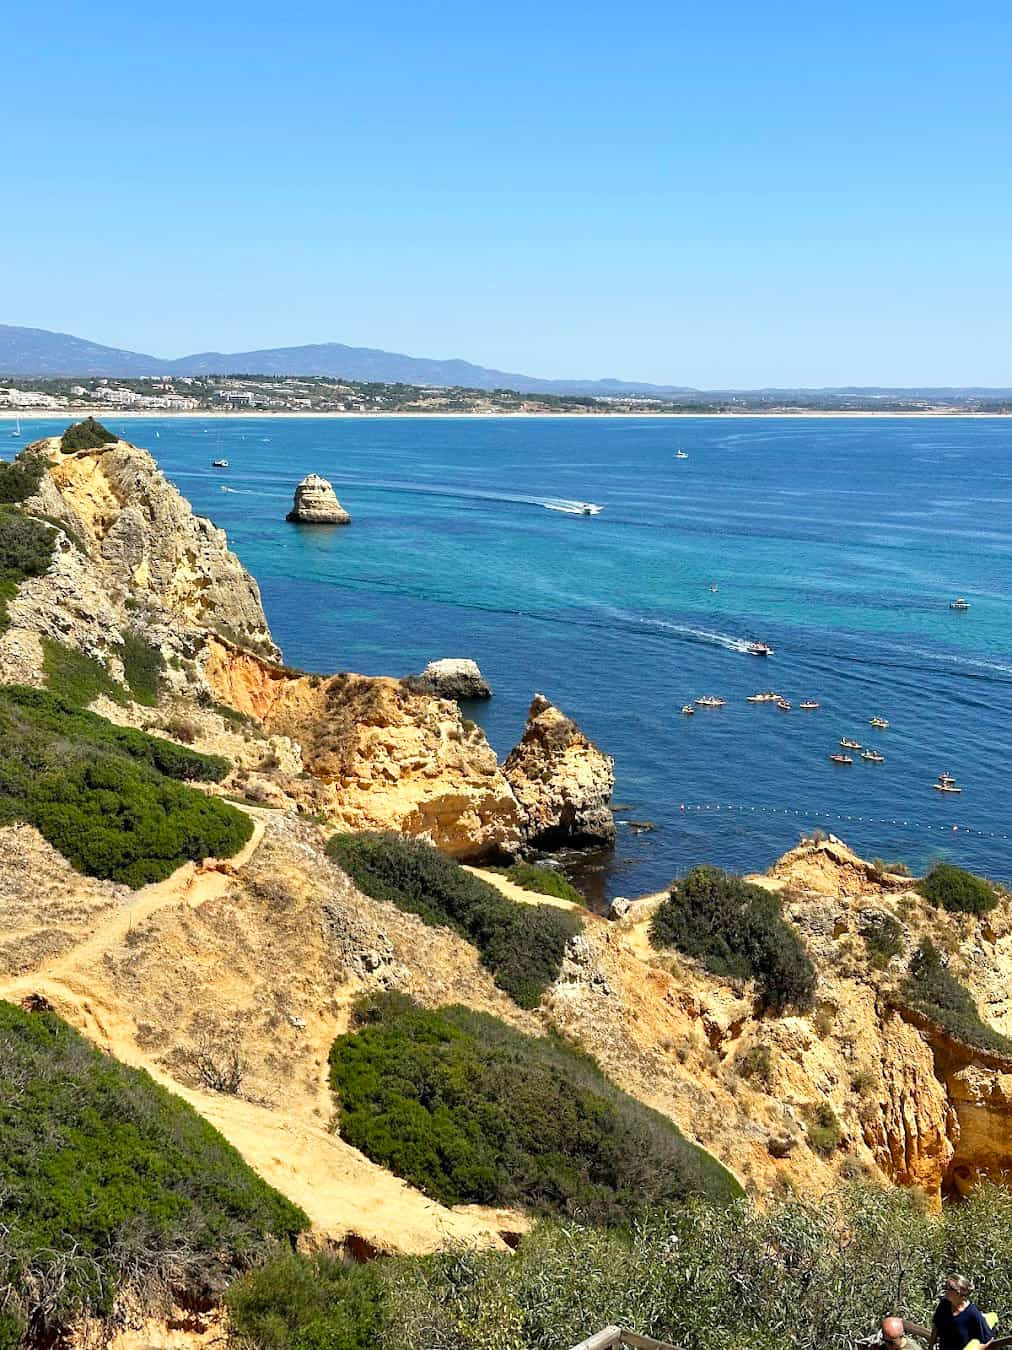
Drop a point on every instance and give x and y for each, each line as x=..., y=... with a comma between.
x=703, y=807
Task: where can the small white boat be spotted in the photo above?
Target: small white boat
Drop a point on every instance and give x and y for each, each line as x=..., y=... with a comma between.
x=759, y=649
x=681, y=454
x=688, y=710
x=879, y=722
x=946, y=783
x=959, y=603
x=849, y=744
x=783, y=705
x=219, y=464
x=17, y=427
x=873, y=757
x=808, y=704
x=710, y=701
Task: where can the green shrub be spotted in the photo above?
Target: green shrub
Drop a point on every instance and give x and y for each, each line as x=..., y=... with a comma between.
x=110, y=1180
x=810, y=1274
x=542, y=881
x=521, y=945
x=26, y=550
x=75, y=677
x=468, y=1109
x=957, y=891
x=105, y=796
x=736, y=928
x=883, y=937
x=21, y=479
x=307, y=1303
x=142, y=667
x=824, y=1131
x=931, y=989
x=86, y=435
x=755, y=1063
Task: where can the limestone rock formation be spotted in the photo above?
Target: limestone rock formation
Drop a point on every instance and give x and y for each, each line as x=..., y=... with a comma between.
x=453, y=677
x=561, y=780
x=316, y=504
x=140, y=541
x=384, y=756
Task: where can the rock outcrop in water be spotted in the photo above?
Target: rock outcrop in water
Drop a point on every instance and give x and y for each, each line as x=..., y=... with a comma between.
x=453, y=677
x=562, y=781
x=316, y=504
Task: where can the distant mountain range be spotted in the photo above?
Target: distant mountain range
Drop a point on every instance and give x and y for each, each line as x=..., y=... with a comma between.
x=39, y=353
x=35, y=352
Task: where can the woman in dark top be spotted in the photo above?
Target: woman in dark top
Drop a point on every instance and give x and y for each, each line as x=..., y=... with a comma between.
x=957, y=1321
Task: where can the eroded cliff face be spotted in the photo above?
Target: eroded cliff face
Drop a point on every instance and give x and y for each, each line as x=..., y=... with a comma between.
x=147, y=542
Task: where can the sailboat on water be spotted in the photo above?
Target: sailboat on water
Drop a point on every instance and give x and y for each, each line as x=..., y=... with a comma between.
x=17, y=425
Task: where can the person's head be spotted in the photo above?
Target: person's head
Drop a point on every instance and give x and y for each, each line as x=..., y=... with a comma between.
x=957, y=1289
x=892, y=1332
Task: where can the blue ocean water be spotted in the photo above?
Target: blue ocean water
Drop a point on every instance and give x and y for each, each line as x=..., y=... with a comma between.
x=837, y=541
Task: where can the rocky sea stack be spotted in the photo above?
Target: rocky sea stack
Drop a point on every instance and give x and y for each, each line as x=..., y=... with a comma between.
x=454, y=677
x=316, y=504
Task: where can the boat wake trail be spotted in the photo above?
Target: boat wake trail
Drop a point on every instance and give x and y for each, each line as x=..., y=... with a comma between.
x=725, y=640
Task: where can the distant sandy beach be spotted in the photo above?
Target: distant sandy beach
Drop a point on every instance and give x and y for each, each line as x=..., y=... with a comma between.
x=161, y=415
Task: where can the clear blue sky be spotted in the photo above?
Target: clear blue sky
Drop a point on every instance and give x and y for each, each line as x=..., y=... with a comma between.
x=734, y=194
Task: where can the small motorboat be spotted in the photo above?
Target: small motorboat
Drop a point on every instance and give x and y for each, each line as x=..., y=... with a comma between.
x=219, y=463
x=710, y=701
x=879, y=722
x=946, y=783
x=841, y=759
x=714, y=588
x=873, y=757
x=759, y=649
x=783, y=705
x=808, y=704
x=849, y=744
x=688, y=710
x=959, y=603
x=681, y=454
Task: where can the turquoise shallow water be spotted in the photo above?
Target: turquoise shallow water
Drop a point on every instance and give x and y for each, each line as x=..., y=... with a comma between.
x=839, y=542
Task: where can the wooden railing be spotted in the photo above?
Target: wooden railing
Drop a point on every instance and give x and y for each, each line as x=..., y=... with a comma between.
x=612, y=1338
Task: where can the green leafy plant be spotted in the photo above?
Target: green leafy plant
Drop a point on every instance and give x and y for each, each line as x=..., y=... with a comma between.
x=86, y=435
x=21, y=479
x=26, y=550
x=824, y=1131
x=77, y=678
x=960, y=892
x=542, y=881
x=109, y=1181
x=107, y=797
x=313, y=1302
x=931, y=989
x=883, y=937
x=468, y=1109
x=522, y=945
x=142, y=669
x=736, y=928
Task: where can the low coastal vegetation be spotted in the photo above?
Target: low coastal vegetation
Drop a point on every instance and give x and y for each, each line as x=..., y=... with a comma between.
x=542, y=881
x=735, y=928
x=77, y=678
x=112, y=800
x=86, y=435
x=809, y=1274
x=21, y=478
x=930, y=988
x=26, y=550
x=521, y=945
x=958, y=891
x=109, y=1183
x=883, y=937
x=142, y=669
x=470, y=1110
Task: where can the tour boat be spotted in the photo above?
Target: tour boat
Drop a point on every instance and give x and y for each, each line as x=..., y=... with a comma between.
x=808, y=704
x=850, y=745
x=873, y=757
x=219, y=463
x=959, y=604
x=759, y=649
x=879, y=722
x=841, y=759
x=688, y=710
